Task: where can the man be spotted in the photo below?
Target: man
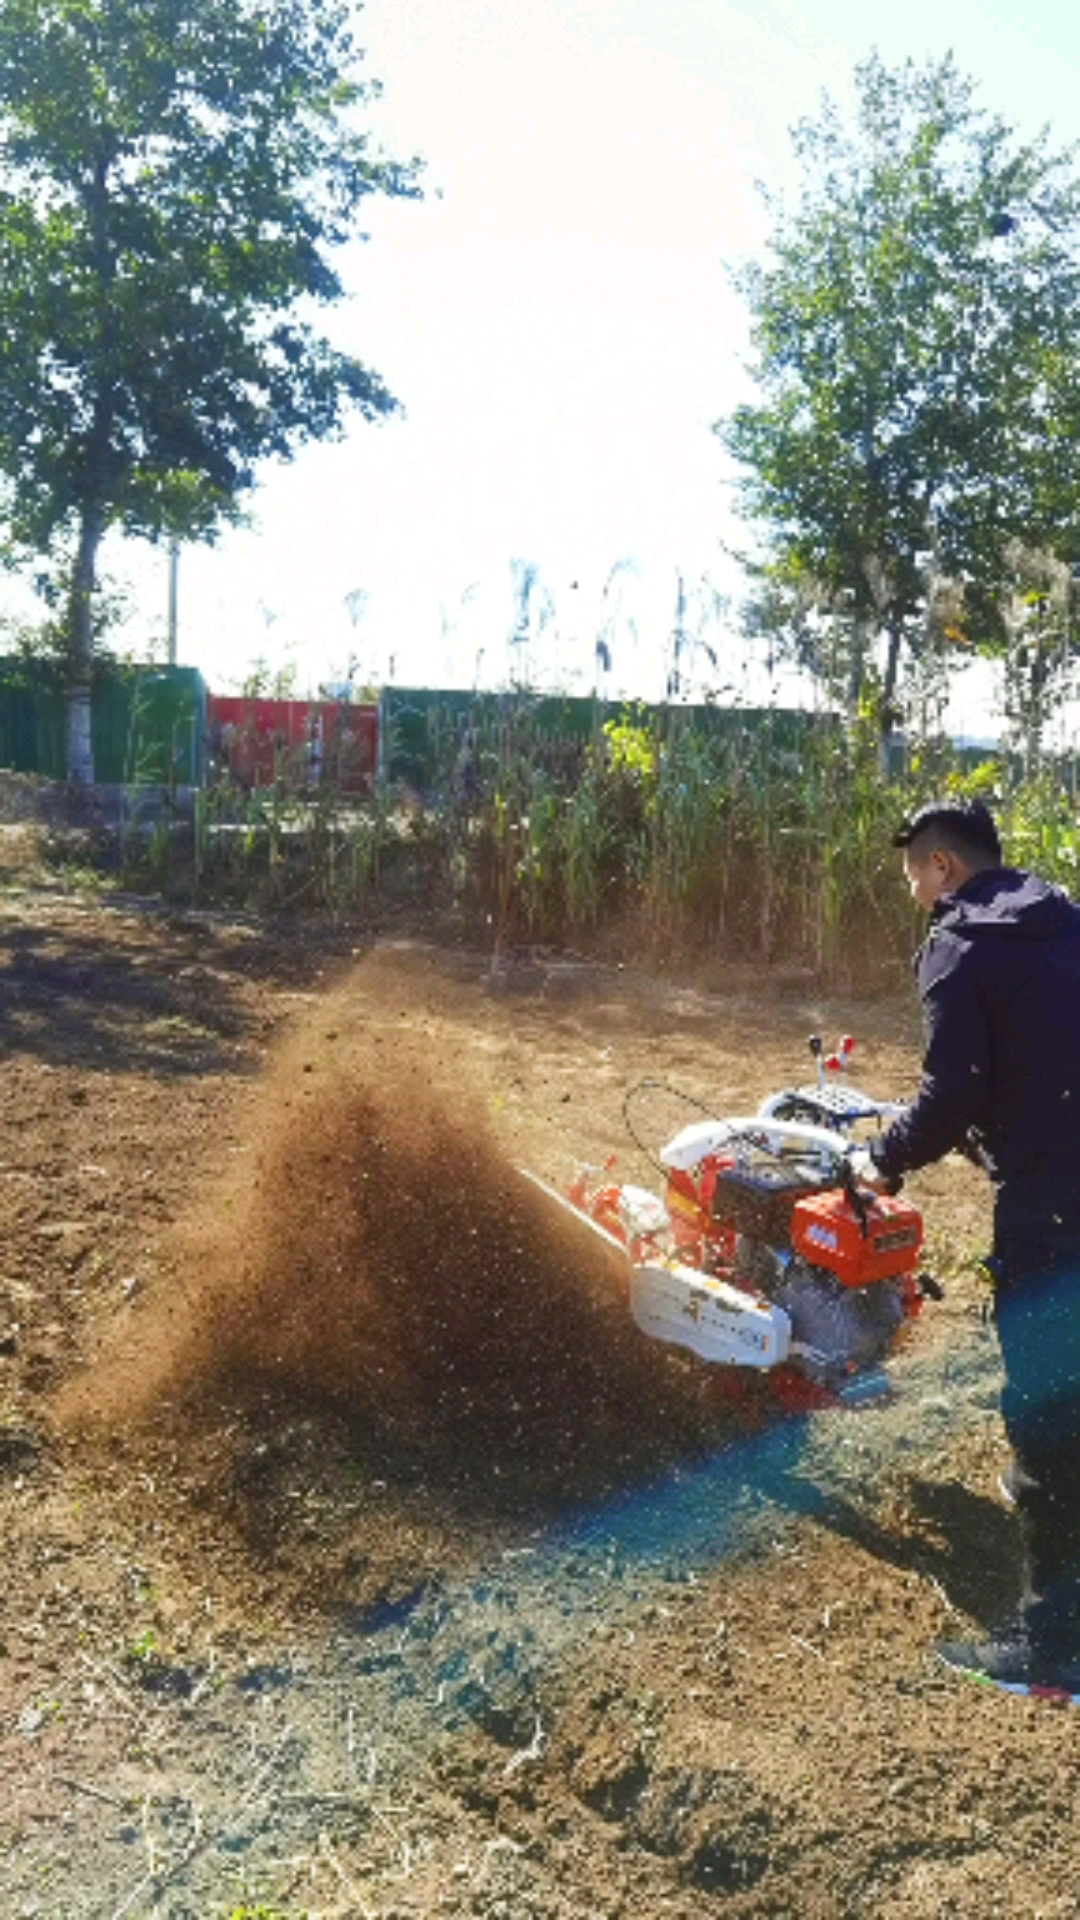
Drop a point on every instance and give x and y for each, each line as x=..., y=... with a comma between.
x=999, y=976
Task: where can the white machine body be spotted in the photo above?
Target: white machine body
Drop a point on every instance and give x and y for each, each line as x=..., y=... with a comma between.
x=716, y=1321
x=704, y=1137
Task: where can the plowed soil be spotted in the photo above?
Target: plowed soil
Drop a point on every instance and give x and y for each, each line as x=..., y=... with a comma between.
x=362, y=1559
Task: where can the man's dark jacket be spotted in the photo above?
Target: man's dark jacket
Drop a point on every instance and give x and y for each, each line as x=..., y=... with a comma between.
x=999, y=975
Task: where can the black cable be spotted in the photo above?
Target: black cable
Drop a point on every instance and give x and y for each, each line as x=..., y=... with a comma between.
x=676, y=1093
x=688, y=1100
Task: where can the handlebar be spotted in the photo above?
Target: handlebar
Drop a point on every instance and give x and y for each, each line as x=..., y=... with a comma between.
x=861, y=1198
x=857, y=1196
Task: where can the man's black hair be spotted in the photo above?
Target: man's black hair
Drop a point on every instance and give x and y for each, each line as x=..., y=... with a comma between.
x=963, y=827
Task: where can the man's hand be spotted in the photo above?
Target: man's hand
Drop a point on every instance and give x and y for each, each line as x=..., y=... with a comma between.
x=865, y=1170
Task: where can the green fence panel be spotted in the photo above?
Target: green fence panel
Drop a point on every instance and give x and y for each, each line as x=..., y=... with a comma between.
x=149, y=727
x=422, y=730
x=148, y=724
x=32, y=728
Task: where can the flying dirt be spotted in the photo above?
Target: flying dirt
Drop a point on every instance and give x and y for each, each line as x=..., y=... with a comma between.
x=382, y=1263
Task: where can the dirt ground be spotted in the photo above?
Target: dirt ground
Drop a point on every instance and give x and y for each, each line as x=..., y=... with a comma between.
x=362, y=1560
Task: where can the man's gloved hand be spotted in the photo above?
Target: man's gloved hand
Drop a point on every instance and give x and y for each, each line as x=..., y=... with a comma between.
x=865, y=1170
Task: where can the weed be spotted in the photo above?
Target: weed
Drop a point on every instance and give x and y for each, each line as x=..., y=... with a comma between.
x=672, y=832
x=261, y=1912
x=145, y=1648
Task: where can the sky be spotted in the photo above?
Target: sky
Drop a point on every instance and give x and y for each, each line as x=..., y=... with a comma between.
x=557, y=320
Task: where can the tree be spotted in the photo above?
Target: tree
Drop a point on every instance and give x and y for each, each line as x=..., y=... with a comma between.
x=174, y=175
x=1041, y=651
x=916, y=329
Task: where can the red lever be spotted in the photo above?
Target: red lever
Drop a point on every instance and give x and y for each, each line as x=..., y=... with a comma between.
x=837, y=1061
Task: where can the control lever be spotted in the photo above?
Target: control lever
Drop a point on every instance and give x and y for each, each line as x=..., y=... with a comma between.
x=860, y=1200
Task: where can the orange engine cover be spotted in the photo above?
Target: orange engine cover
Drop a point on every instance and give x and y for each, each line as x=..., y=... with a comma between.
x=826, y=1230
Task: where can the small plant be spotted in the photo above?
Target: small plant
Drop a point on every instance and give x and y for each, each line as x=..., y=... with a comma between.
x=261, y=1912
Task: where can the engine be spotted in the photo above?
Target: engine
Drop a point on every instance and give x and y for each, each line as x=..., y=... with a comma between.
x=842, y=1271
x=836, y=1330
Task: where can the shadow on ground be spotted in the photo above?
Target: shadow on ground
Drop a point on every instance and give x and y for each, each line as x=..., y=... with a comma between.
x=703, y=1512
x=340, y=1515
x=110, y=989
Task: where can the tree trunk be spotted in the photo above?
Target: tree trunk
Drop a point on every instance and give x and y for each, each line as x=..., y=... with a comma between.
x=80, y=749
x=892, y=671
x=92, y=517
x=888, y=694
x=856, y=668
x=1038, y=713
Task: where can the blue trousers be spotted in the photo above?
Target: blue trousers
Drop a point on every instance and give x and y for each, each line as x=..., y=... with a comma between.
x=1037, y=1309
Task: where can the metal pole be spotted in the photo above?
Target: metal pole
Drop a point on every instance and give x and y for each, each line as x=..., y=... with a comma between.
x=174, y=573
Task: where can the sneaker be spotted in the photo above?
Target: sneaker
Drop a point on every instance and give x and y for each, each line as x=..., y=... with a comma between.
x=1012, y=1664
